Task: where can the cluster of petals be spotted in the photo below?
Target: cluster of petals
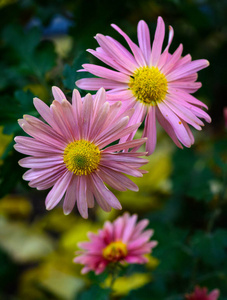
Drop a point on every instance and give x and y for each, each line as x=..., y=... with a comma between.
x=93, y=120
x=201, y=293
x=178, y=109
x=124, y=229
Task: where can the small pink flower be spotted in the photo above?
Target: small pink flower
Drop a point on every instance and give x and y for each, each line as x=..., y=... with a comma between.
x=70, y=151
x=156, y=83
x=201, y=294
x=122, y=241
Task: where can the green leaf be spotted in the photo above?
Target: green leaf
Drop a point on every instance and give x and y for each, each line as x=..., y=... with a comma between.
x=210, y=247
x=70, y=73
x=94, y=292
x=22, y=42
x=44, y=58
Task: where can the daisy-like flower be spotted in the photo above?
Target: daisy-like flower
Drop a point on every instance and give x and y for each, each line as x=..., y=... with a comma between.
x=69, y=152
x=157, y=84
x=201, y=294
x=123, y=241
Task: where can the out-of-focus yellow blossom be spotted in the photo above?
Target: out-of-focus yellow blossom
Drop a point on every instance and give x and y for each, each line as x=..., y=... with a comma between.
x=6, y=2
x=123, y=285
x=56, y=275
x=22, y=242
x=152, y=263
x=5, y=141
x=63, y=45
x=152, y=184
x=15, y=206
x=56, y=221
x=38, y=90
x=77, y=233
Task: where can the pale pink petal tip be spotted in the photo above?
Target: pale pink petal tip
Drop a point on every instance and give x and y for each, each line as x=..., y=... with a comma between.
x=124, y=240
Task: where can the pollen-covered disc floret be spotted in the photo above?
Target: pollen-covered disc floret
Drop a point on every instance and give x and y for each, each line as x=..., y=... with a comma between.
x=81, y=157
x=123, y=241
x=156, y=83
x=115, y=251
x=69, y=151
x=148, y=85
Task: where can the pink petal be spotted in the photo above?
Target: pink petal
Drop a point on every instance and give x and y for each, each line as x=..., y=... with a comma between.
x=116, y=52
x=40, y=162
x=86, y=116
x=126, y=145
x=150, y=130
x=168, y=128
x=158, y=42
x=58, y=190
x=179, y=94
x=106, y=73
x=184, y=113
x=144, y=40
x=105, y=192
x=176, y=124
x=81, y=196
x=129, y=228
x=62, y=121
x=170, y=65
x=185, y=86
x=101, y=55
x=117, y=180
x=188, y=69
x=135, y=49
x=45, y=113
x=70, y=196
x=93, y=84
x=58, y=94
x=98, y=196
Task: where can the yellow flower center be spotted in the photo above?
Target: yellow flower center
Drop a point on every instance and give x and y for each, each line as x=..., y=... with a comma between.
x=115, y=251
x=81, y=157
x=148, y=85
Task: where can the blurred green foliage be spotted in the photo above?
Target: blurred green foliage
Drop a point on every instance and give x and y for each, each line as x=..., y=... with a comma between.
x=43, y=43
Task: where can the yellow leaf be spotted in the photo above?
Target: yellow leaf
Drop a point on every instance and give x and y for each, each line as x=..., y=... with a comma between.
x=15, y=206
x=123, y=285
x=23, y=243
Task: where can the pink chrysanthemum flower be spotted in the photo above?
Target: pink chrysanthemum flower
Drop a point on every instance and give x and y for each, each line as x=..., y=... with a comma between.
x=123, y=241
x=157, y=84
x=201, y=294
x=70, y=152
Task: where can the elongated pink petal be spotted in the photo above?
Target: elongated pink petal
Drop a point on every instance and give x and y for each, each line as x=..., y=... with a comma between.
x=150, y=130
x=144, y=40
x=126, y=145
x=106, y=73
x=105, y=192
x=170, y=65
x=185, y=114
x=158, y=42
x=117, y=180
x=176, y=124
x=70, y=196
x=188, y=69
x=58, y=94
x=81, y=196
x=108, y=60
x=93, y=84
x=45, y=113
x=58, y=191
x=135, y=49
x=113, y=50
x=168, y=128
